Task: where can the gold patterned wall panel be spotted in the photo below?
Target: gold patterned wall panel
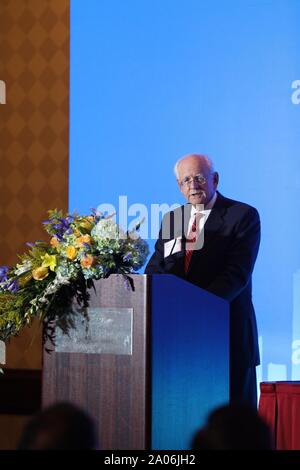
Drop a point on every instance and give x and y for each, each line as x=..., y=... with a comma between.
x=34, y=128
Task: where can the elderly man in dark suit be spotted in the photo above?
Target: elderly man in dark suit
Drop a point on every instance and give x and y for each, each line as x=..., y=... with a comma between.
x=213, y=242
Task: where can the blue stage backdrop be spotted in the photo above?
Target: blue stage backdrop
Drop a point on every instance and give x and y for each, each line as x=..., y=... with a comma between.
x=152, y=80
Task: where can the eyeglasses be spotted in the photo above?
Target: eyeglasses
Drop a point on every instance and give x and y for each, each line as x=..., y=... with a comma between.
x=189, y=179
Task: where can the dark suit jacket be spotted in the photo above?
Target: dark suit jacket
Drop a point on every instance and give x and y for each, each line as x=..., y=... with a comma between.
x=222, y=266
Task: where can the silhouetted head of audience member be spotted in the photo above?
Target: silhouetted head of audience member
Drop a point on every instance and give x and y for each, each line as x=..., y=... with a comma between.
x=60, y=426
x=233, y=427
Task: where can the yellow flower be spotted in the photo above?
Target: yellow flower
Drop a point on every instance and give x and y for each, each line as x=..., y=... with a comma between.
x=40, y=273
x=49, y=261
x=54, y=242
x=86, y=224
x=87, y=261
x=71, y=252
x=83, y=239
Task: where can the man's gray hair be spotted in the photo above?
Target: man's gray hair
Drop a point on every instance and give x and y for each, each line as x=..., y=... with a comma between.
x=207, y=159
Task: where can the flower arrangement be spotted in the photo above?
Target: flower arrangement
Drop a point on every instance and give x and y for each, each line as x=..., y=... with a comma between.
x=51, y=275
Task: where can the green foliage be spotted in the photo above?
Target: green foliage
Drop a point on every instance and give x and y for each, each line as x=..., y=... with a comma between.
x=52, y=279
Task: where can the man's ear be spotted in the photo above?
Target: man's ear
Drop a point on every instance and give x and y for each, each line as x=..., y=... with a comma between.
x=216, y=179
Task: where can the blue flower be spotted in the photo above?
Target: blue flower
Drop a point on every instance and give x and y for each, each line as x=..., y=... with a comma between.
x=127, y=257
x=8, y=284
x=3, y=273
x=12, y=286
x=97, y=214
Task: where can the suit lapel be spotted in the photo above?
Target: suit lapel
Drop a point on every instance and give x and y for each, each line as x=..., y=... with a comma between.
x=215, y=221
x=212, y=228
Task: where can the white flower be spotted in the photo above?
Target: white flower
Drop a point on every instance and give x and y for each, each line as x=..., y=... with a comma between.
x=107, y=229
x=23, y=268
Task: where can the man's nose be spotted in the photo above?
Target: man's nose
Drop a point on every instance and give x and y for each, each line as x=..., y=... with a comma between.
x=194, y=183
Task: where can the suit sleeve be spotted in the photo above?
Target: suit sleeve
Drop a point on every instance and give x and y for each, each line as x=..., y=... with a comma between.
x=156, y=263
x=240, y=259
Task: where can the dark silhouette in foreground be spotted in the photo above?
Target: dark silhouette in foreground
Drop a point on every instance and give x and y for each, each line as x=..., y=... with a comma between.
x=233, y=427
x=60, y=426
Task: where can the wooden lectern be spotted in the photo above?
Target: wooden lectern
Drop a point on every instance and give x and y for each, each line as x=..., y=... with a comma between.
x=153, y=362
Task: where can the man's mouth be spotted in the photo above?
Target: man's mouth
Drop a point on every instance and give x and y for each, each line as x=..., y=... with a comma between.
x=196, y=193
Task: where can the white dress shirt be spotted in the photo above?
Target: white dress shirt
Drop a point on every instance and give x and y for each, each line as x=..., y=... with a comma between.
x=175, y=245
x=202, y=211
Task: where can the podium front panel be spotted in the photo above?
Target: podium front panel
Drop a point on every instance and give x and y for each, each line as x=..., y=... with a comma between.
x=190, y=359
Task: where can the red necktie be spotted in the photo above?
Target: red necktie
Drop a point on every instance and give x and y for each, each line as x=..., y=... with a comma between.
x=191, y=239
